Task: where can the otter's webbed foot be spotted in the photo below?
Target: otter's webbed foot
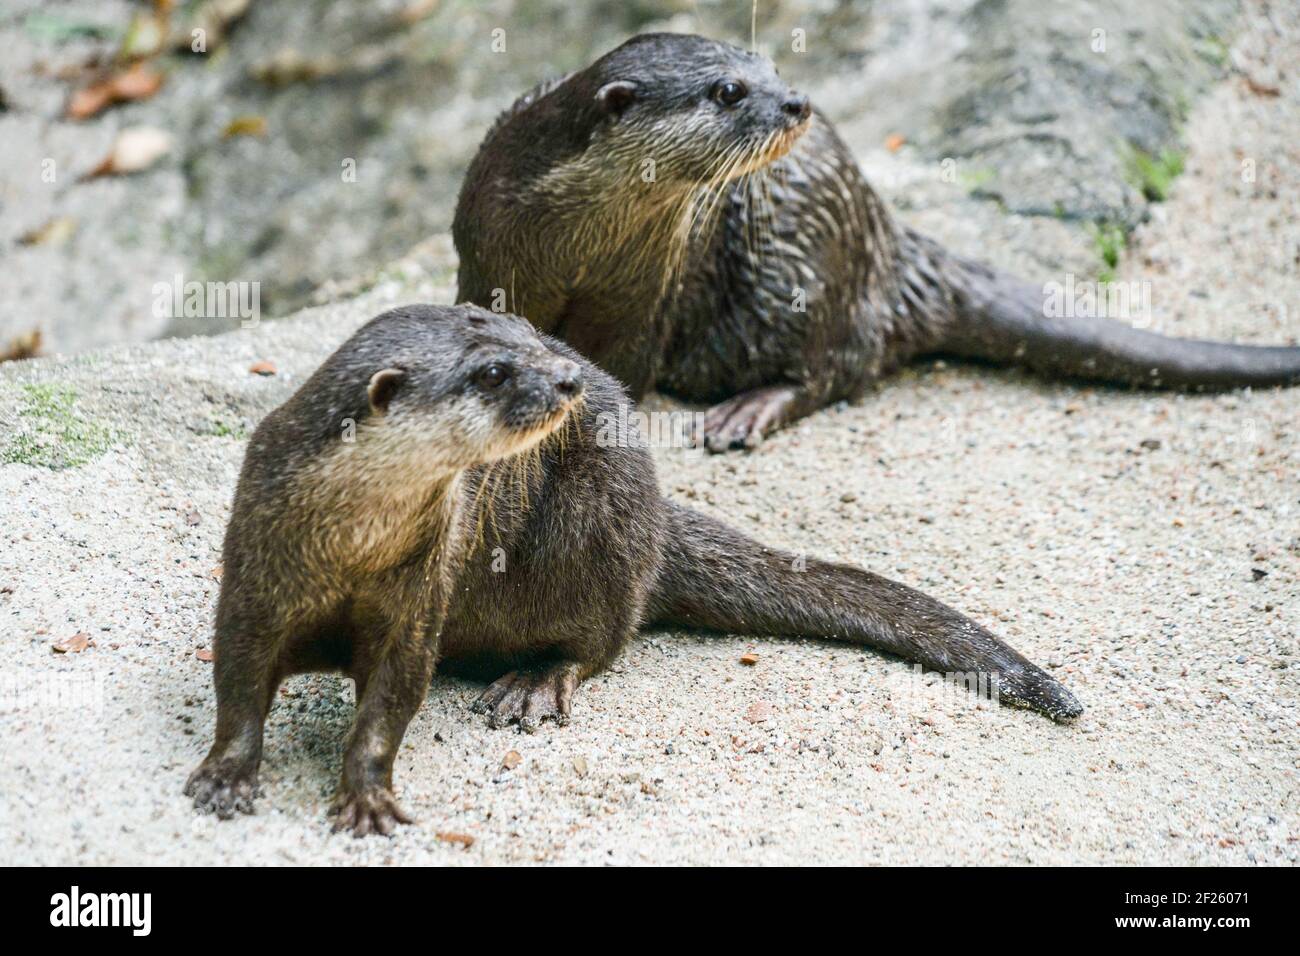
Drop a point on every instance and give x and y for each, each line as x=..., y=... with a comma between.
x=367, y=810
x=744, y=420
x=530, y=696
x=223, y=787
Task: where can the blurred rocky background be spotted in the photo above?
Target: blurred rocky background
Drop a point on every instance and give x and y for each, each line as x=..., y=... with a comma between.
x=304, y=144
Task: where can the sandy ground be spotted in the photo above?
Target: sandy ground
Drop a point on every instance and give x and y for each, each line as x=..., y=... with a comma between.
x=1146, y=548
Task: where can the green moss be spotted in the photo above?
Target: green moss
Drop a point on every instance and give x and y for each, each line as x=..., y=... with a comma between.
x=223, y=429
x=976, y=179
x=1213, y=49
x=1154, y=175
x=1110, y=240
x=52, y=432
x=59, y=29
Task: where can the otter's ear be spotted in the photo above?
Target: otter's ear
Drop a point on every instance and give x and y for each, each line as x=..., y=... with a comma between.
x=615, y=97
x=383, y=386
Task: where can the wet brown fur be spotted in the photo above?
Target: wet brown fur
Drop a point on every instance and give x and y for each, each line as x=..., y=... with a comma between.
x=493, y=532
x=689, y=283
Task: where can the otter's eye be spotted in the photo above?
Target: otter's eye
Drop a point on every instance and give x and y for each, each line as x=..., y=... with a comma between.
x=730, y=92
x=493, y=376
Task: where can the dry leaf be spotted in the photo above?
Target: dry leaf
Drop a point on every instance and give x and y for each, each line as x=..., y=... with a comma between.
x=138, y=83
x=134, y=150
x=245, y=126
x=74, y=644
x=1262, y=88
x=758, y=712
x=54, y=233
x=262, y=368
x=511, y=760
x=24, y=346
x=464, y=839
x=290, y=66
x=749, y=659
x=894, y=142
x=417, y=10
x=204, y=654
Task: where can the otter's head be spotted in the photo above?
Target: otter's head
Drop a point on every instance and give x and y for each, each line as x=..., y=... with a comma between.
x=702, y=110
x=462, y=386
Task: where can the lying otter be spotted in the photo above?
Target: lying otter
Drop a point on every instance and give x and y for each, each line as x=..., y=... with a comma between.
x=615, y=210
x=439, y=491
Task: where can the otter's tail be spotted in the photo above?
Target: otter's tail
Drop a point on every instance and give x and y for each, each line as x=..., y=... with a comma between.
x=1006, y=320
x=716, y=578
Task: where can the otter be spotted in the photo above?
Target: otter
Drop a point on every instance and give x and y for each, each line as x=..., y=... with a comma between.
x=691, y=224
x=440, y=493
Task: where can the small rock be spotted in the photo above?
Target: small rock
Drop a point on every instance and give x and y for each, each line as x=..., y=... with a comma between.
x=263, y=368
x=511, y=760
x=758, y=712
x=749, y=659
x=204, y=654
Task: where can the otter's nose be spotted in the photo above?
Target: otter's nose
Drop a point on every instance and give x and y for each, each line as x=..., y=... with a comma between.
x=797, y=107
x=568, y=380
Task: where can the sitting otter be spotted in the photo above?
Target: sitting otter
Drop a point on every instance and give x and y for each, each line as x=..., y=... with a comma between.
x=439, y=491
x=617, y=210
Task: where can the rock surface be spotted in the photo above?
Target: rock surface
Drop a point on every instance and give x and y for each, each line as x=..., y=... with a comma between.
x=1032, y=113
x=1144, y=547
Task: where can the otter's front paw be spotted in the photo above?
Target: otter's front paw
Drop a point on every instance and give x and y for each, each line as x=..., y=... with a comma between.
x=529, y=697
x=368, y=810
x=743, y=420
x=222, y=789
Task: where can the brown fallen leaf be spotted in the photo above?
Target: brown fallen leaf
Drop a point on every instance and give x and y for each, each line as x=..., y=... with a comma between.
x=74, y=644
x=139, y=82
x=758, y=712
x=749, y=659
x=204, y=654
x=134, y=151
x=27, y=345
x=511, y=760
x=290, y=66
x=464, y=839
x=416, y=10
x=245, y=126
x=1262, y=88
x=263, y=368
x=54, y=233
x=894, y=142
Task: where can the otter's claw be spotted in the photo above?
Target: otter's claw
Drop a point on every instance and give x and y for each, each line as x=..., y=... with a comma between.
x=222, y=790
x=372, y=810
x=743, y=420
x=529, y=697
